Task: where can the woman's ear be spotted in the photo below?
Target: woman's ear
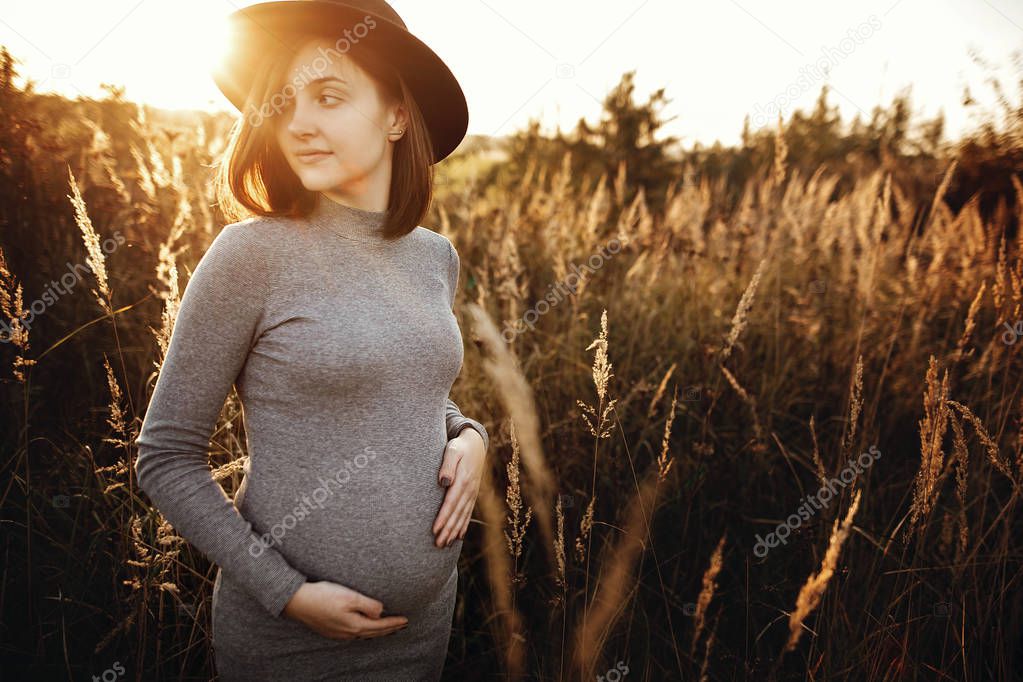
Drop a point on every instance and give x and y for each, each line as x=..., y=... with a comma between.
x=399, y=117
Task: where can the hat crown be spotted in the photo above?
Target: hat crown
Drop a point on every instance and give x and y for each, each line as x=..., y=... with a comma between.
x=260, y=29
x=377, y=7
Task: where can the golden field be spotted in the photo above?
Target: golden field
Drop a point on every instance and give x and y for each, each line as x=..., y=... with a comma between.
x=751, y=322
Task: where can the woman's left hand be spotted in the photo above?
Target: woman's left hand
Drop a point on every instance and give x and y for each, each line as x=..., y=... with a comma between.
x=461, y=472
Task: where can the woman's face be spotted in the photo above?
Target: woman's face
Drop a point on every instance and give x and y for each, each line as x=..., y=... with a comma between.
x=337, y=110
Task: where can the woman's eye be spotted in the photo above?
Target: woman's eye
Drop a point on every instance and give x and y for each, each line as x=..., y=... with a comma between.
x=335, y=97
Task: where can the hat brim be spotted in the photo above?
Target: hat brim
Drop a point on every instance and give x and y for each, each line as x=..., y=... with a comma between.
x=255, y=29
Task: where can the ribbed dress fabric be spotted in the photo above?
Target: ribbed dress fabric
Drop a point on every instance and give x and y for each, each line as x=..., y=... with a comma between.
x=343, y=347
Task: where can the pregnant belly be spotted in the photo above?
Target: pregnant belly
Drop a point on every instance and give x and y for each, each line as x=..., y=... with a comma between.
x=366, y=523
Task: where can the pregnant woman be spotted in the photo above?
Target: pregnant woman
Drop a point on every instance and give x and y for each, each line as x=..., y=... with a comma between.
x=330, y=310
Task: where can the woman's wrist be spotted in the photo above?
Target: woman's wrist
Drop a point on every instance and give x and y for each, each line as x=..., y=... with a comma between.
x=469, y=432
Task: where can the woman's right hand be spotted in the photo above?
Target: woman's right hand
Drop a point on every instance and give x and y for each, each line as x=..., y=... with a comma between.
x=339, y=612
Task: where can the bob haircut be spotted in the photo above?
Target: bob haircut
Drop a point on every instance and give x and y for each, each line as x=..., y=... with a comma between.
x=253, y=176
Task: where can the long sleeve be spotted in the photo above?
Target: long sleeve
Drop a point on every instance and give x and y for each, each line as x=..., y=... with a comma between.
x=456, y=421
x=217, y=322
x=454, y=418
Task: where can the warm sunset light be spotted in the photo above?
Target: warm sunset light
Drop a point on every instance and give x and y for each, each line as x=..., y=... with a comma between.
x=157, y=50
x=717, y=61
x=477, y=340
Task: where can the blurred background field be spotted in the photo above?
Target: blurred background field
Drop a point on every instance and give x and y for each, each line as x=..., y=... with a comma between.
x=756, y=316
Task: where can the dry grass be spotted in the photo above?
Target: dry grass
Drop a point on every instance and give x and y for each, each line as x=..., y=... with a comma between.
x=791, y=329
x=707, y=593
x=95, y=258
x=13, y=308
x=813, y=591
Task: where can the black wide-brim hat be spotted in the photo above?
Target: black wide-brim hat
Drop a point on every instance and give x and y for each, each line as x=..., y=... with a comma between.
x=267, y=26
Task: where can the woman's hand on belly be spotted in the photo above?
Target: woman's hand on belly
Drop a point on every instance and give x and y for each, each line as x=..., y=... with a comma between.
x=461, y=472
x=339, y=612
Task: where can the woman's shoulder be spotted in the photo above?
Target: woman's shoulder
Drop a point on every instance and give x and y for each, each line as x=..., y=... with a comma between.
x=267, y=238
x=439, y=245
x=250, y=251
x=261, y=231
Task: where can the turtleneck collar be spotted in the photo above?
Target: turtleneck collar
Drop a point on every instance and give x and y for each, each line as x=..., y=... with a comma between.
x=347, y=221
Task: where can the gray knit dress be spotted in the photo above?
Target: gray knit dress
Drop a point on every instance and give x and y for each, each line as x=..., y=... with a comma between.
x=343, y=348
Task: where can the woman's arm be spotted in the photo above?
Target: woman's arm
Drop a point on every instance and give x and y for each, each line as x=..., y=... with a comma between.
x=217, y=322
x=455, y=420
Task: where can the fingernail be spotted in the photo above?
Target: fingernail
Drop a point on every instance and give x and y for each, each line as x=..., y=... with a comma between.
x=445, y=481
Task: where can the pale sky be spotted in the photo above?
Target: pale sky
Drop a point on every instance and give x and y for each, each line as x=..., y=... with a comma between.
x=556, y=60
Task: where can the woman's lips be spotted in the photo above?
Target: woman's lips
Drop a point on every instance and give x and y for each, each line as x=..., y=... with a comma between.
x=314, y=157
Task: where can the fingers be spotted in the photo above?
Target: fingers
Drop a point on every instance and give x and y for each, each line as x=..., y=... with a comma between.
x=465, y=527
x=446, y=475
x=365, y=628
x=455, y=493
x=451, y=499
x=455, y=521
x=448, y=513
x=367, y=605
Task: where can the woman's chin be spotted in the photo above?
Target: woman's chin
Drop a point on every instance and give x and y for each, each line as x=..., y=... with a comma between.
x=316, y=182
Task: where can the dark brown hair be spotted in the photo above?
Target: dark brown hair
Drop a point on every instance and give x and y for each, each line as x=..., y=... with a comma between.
x=253, y=176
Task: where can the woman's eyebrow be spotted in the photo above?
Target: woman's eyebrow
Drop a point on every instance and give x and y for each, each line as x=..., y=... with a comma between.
x=329, y=78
